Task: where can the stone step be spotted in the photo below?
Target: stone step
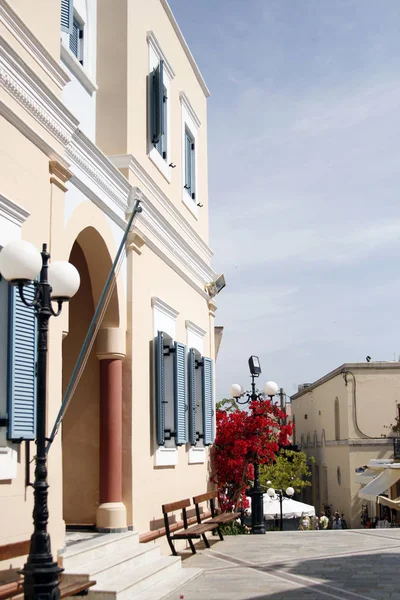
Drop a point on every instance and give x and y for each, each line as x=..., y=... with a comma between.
x=107, y=544
x=127, y=586
x=111, y=566
x=173, y=583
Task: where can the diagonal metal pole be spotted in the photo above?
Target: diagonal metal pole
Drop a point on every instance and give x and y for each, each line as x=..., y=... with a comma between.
x=67, y=396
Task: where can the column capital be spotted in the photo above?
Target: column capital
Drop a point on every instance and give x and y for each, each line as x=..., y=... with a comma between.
x=136, y=243
x=111, y=343
x=59, y=174
x=212, y=307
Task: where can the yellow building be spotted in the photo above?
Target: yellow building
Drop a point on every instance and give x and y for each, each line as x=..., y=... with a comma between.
x=102, y=104
x=344, y=420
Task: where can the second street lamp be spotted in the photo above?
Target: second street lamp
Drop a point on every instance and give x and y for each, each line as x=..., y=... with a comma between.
x=273, y=494
x=20, y=263
x=256, y=493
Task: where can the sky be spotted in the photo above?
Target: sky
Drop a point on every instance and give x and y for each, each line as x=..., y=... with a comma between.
x=304, y=181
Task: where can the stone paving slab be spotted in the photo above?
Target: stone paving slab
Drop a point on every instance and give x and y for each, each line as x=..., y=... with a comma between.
x=297, y=565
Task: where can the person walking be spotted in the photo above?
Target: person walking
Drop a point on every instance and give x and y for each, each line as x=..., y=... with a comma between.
x=337, y=521
x=323, y=521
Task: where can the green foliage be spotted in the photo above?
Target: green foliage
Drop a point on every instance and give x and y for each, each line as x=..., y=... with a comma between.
x=289, y=469
x=227, y=404
x=234, y=528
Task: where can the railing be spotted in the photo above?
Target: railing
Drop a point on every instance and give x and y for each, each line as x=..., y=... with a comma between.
x=396, y=448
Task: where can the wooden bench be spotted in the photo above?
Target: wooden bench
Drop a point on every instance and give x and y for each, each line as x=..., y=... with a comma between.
x=14, y=586
x=187, y=533
x=218, y=518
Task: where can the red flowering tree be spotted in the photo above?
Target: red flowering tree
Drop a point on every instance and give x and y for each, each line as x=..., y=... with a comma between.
x=243, y=437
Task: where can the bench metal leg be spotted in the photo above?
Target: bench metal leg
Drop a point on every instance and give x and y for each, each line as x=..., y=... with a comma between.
x=206, y=542
x=171, y=545
x=221, y=537
x=193, y=549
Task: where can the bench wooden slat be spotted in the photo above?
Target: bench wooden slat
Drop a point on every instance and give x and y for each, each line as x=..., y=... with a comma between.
x=173, y=506
x=193, y=532
x=9, y=590
x=75, y=588
x=205, y=497
x=224, y=517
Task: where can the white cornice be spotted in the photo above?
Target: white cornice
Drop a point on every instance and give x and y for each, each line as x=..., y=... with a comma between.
x=32, y=45
x=164, y=308
x=186, y=103
x=12, y=212
x=87, y=156
x=186, y=48
x=193, y=328
x=127, y=161
x=28, y=89
x=74, y=65
x=153, y=42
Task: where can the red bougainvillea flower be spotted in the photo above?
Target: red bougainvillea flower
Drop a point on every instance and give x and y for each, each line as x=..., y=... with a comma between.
x=242, y=437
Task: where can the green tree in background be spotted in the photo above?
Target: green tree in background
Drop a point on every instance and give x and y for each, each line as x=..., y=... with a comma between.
x=227, y=404
x=290, y=469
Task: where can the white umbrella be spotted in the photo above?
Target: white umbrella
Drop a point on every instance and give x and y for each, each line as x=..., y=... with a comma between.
x=291, y=509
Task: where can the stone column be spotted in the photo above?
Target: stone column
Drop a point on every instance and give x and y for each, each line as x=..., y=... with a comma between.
x=111, y=514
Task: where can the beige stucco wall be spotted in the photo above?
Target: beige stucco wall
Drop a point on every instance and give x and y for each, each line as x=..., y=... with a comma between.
x=122, y=99
x=371, y=414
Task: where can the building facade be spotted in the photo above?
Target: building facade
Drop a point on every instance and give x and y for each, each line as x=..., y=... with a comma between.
x=344, y=420
x=102, y=105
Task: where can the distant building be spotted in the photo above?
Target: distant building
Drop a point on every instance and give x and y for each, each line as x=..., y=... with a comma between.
x=344, y=420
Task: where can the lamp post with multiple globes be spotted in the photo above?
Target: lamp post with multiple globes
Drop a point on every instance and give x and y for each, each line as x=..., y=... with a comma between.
x=256, y=492
x=273, y=493
x=20, y=264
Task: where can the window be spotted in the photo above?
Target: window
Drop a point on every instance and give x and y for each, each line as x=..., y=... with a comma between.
x=190, y=161
x=76, y=39
x=337, y=419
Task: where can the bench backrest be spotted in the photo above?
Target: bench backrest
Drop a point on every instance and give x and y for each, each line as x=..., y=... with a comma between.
x=173, y=506
x=205, y=497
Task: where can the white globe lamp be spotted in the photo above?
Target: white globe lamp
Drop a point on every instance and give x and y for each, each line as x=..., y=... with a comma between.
x=20, y=262
x=289, y=491
x=236, y=390
x=64, y=280
x=271, y=388
x=271, y=492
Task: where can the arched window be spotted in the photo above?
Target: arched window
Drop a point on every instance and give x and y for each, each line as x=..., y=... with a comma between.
x=337, y=419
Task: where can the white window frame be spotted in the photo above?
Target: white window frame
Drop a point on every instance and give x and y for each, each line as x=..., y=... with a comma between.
x=190, y=122
x=155, y=55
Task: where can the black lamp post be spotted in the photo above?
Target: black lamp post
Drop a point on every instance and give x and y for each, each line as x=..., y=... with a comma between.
x=256, y=493
x=273, y=493
x=20, y=263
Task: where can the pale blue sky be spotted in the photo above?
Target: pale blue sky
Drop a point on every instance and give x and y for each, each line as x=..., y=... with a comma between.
x=304, y=165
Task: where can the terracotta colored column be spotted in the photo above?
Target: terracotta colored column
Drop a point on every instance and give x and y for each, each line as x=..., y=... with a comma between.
x=111, y=514
x=110, y=430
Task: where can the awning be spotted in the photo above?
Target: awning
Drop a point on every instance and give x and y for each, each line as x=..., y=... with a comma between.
x=380, y=484
x=365, y=476
x=395, y=503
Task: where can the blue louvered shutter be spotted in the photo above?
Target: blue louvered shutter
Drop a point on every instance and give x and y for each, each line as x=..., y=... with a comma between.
x=160, y=389
x=208, y=401
x=74, y=38
x=157, y=102
x=188, y=163
x=192, y=397
x=66, y=15
x=180, y=394
x=22, y=366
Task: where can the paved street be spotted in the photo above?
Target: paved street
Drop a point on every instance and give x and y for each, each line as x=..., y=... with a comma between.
x=314, y=565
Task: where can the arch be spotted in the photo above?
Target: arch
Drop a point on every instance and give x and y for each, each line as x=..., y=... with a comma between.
x=315, y=439
x=302, y=441
x=308, y=440
x=337, y=419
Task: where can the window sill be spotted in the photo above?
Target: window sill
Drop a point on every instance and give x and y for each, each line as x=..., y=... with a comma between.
x=197, y=456
x=75, y=66
x=8, y=463
x=160, y=163
x=190, y=204
x=166, y=457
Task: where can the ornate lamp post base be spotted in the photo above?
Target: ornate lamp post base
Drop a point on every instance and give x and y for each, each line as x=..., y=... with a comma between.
x=41, y=578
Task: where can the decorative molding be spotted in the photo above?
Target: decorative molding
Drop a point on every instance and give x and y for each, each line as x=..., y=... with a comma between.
x=164, y=308
x=153, y=42
x=128, y=161
x=76, y=68
x=186, y=48
x=30, y=134
x=212, y=306
x=193, y=328
x=86, y=155
x=12, y=211
x=57, y=169
x=32, y=45
x=135, y=243
x=28, y=89
x=186, y=103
